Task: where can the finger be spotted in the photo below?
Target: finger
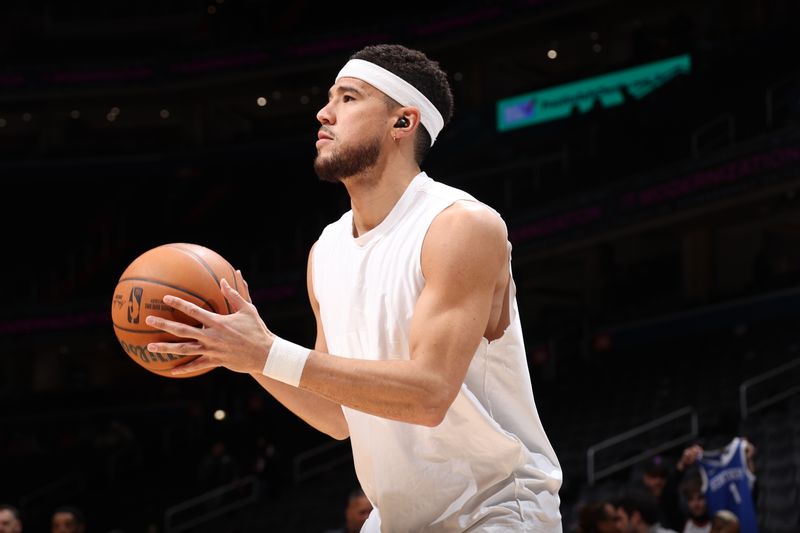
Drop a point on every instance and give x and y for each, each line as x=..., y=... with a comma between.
x=179, y=329
x=234, y=298
x=245, y=288
x=190, y=309
x=195, y=365
x=177, y=348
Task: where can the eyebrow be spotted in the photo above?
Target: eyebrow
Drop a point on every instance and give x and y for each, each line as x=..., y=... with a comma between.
x=345, y=89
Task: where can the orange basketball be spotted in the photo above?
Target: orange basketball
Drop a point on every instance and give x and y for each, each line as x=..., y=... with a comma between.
x=189, y=271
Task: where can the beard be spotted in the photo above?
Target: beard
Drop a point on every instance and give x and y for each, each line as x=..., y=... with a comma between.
x=347, y=162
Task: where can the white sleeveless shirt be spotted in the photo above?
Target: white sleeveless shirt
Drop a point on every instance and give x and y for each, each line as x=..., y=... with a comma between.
x=489, y=465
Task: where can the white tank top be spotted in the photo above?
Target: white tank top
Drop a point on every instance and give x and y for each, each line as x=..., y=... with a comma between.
x=490, y=459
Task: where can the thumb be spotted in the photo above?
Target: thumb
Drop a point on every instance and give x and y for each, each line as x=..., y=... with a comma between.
x=234, y=298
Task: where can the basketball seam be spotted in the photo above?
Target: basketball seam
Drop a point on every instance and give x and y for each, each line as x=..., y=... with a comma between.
x=157, y=282
x=128, y=330
x=205, y=265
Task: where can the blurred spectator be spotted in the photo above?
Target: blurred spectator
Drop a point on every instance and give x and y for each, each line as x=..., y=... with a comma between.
x=660, y=479
x=67, y=519
x=356, y=512
x=597, y=517
x=218, y=467
x=116, y=446
x=637, y=512
x=725, y=522
x=267, y=466
x=10, y=521
x=674, y=500
x=697, y=520
x=728, y=480
x=654, y=476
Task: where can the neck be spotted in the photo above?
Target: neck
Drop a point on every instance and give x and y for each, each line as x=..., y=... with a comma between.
x=373, y=196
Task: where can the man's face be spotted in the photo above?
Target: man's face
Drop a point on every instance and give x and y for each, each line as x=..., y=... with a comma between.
x=8, y=523
x=352, y=130
x=625, y=522
x=609, y=523
x=696, y=503
x=356, y=514
x=65, y=523
x=654, y=483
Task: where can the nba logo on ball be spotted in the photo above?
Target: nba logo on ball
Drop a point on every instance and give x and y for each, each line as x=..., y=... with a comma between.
x=135, y=305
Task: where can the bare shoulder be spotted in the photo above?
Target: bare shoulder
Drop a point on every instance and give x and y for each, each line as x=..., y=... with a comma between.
x=466, y=232
x=469, y=220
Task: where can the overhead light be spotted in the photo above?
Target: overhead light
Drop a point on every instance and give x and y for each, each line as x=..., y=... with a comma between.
x=261, y=101
x=552, y=54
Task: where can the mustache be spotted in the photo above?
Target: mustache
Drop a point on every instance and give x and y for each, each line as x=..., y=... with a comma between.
x=327, y=131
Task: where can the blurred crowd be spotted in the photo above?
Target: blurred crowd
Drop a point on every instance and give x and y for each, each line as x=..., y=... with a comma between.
x=706, y=490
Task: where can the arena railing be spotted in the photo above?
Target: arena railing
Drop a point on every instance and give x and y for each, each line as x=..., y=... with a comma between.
x=626, y=437
x=212, y=504
x=321, y=459
x=772, y=378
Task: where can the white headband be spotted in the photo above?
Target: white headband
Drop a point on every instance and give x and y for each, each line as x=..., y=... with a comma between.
x=397, y=89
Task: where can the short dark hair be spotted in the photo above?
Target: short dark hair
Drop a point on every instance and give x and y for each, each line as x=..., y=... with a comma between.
x=591, y=514
x=10, y=508
x=420, y=71
x=690, y=485
x=74, y=511
x=357, y=492
x=657, y=465
x=638, y=500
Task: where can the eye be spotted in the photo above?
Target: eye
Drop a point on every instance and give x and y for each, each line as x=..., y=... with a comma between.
x=347, y=98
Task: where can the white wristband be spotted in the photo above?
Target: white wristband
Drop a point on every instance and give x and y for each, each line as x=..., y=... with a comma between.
x=285, y=361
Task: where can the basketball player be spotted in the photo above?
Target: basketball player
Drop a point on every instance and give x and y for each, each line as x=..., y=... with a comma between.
x=419, y=356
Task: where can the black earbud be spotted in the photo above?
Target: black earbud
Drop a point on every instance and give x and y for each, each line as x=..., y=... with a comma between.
x=402, y=122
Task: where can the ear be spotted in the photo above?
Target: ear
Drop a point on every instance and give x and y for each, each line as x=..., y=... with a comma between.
x=411, y=116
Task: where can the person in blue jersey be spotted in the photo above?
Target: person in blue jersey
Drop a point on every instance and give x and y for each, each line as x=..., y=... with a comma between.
x=728, y=479
x=419, y=357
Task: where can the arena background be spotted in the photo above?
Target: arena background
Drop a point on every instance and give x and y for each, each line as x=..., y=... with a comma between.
x=655, y=231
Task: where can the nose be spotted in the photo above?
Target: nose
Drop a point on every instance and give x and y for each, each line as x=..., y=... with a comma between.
x=324, y=115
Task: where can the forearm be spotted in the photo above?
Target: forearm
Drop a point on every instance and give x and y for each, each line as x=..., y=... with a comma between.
x=320, y=413
x=401, y=390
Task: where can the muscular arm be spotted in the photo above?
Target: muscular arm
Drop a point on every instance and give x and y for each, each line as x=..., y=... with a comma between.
x=464, y=257
x=320, y=413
